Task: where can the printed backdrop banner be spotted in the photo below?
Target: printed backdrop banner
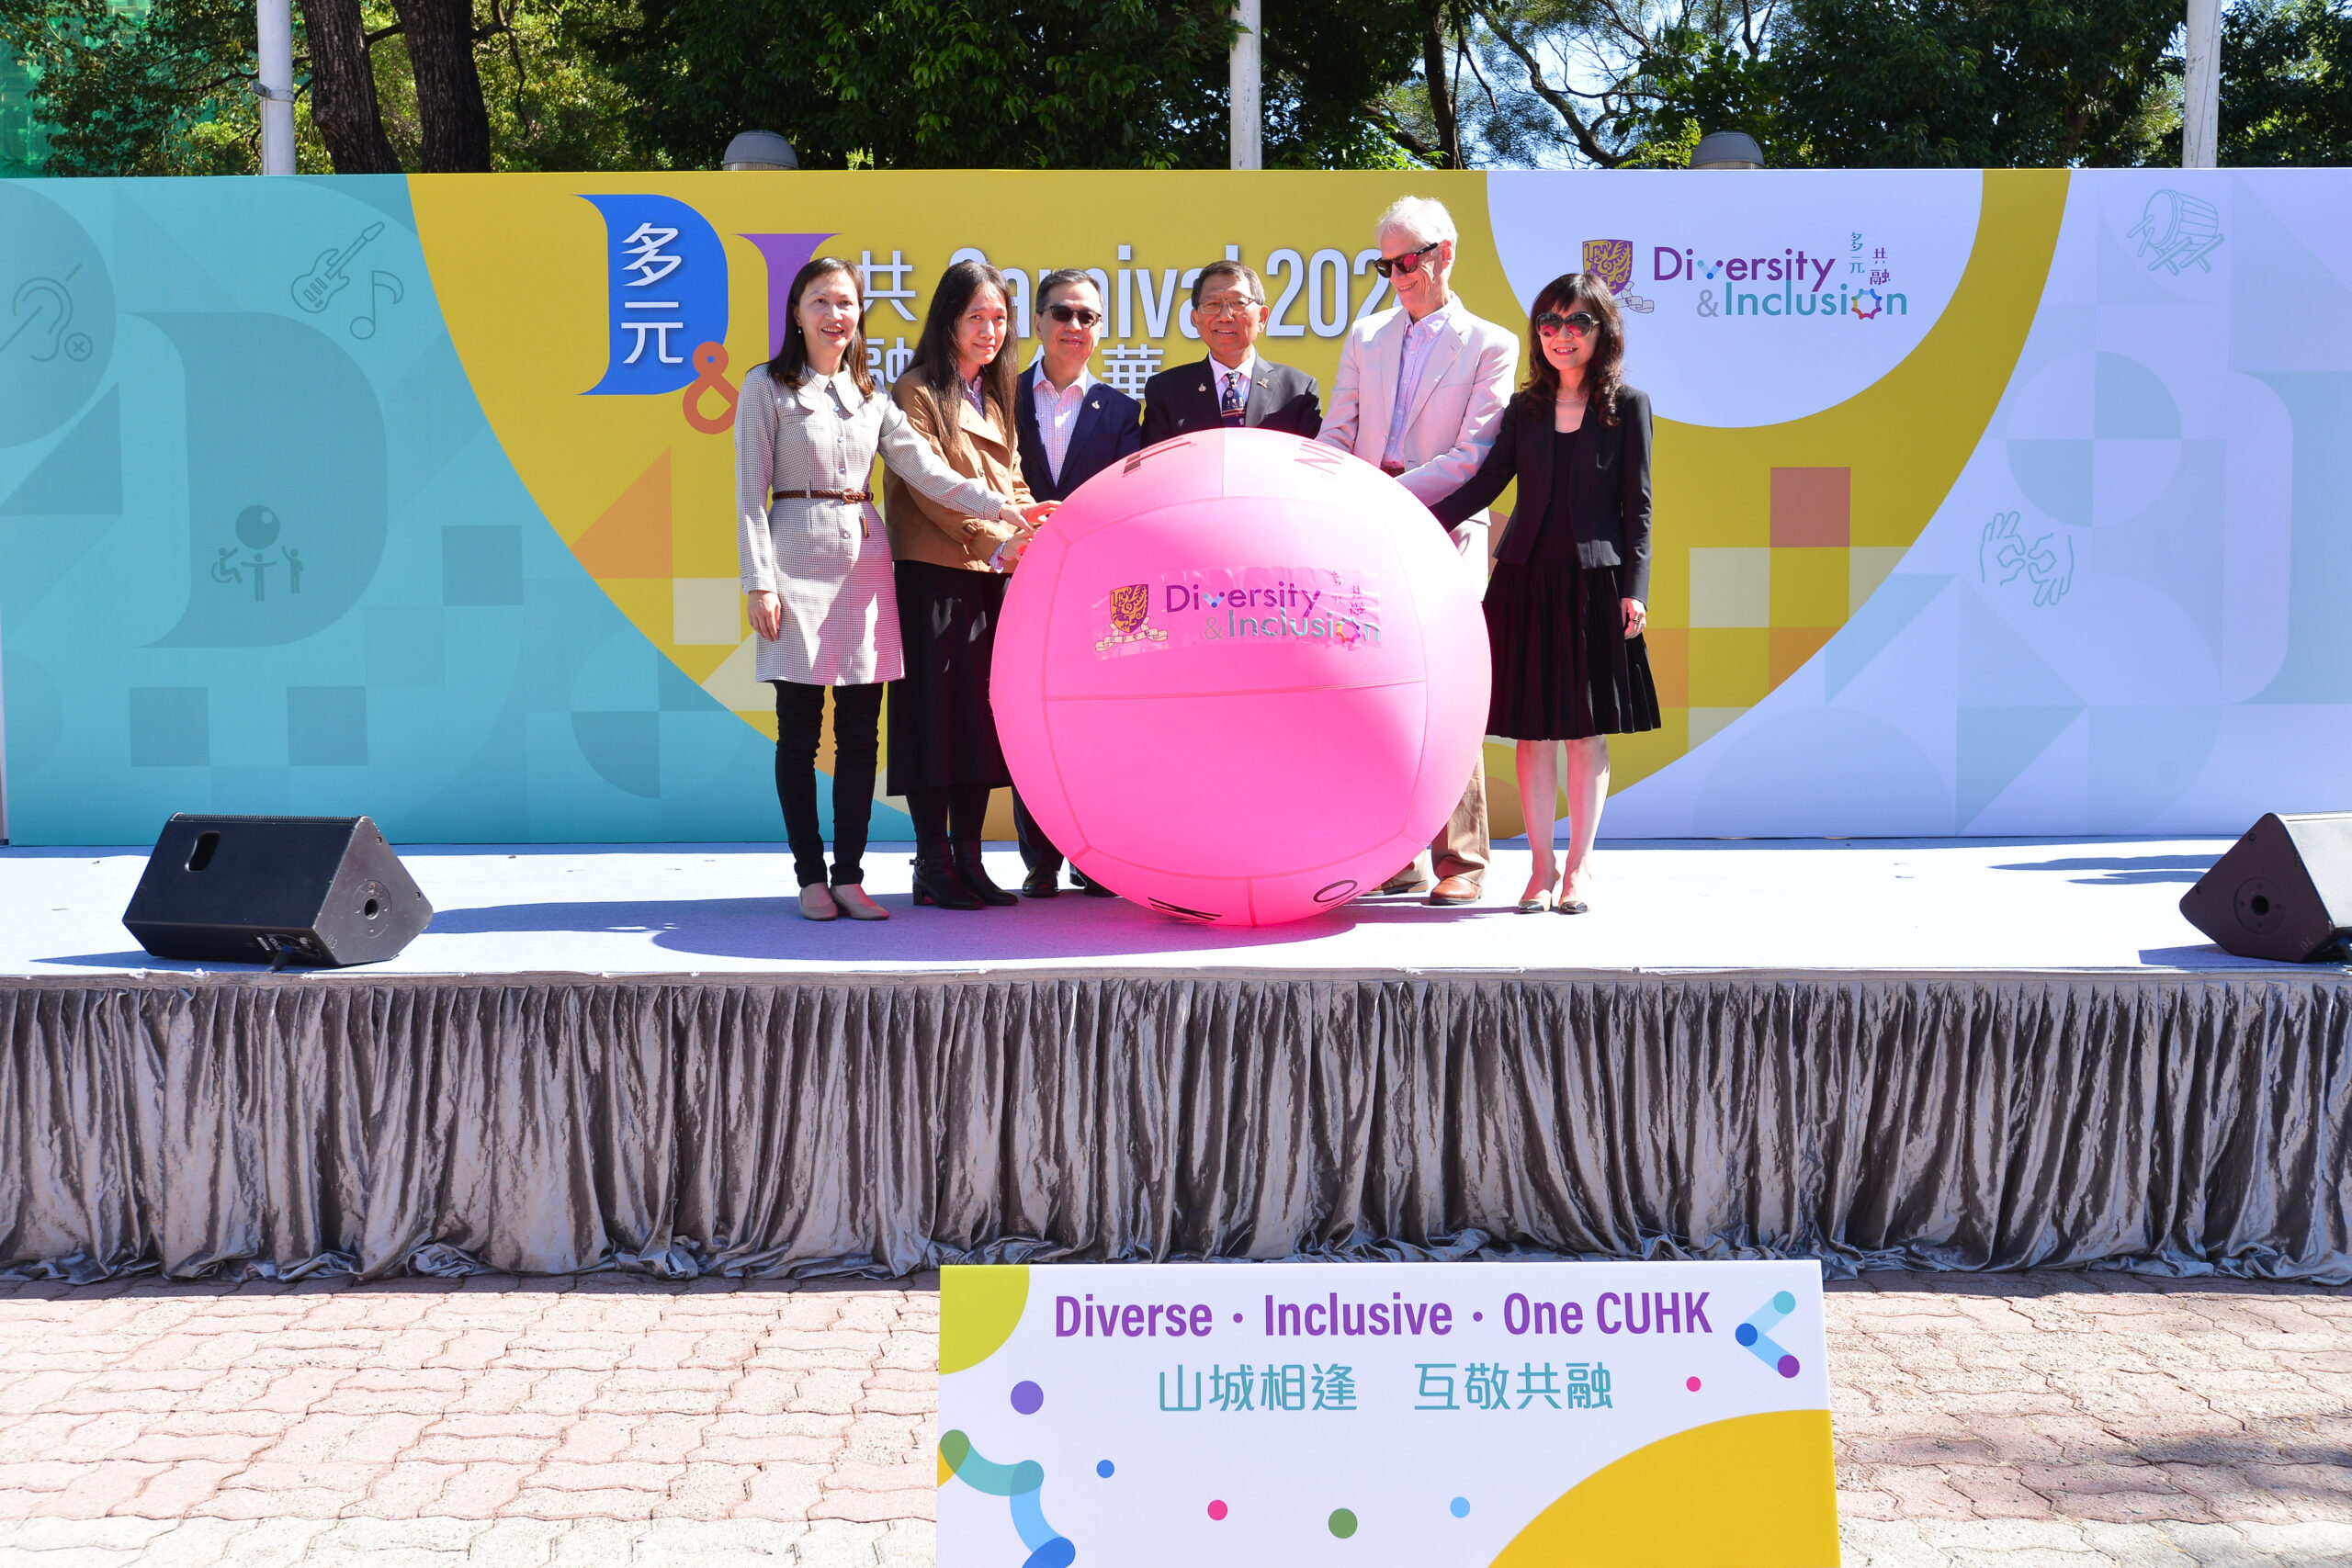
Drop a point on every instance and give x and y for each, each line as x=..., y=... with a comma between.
x=1518, y=1415
x=2010, y=502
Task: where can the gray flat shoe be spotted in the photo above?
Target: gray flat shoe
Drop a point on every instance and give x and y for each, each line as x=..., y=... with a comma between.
x=816, y=904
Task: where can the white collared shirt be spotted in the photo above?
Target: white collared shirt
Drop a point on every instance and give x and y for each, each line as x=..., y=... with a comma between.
x=1412, y=364
x=1247, y=370
x=1057, y=413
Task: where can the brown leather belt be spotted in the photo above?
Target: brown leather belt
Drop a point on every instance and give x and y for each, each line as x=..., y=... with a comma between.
x=849, y=495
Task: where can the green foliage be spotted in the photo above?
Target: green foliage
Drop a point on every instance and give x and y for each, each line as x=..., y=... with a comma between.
x=165, y=91
x=1698, y=75
x=1029, y=84
x=552, y=107
x=920, y=82
x=2287, y=83
x=1972, y=82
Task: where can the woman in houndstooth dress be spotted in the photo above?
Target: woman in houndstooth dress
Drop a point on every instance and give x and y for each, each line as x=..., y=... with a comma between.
x=816, y=565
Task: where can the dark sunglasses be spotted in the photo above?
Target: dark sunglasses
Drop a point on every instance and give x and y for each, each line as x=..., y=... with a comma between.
x=1079, y=314
x=1551, y=323
x=1409, y=262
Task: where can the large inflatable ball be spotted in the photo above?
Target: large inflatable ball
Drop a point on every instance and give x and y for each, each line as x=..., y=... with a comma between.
x=1241, y=678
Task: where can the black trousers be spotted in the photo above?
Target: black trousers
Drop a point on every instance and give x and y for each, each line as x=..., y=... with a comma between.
x=800, y=725
x=945, y=814
x=1037, y=851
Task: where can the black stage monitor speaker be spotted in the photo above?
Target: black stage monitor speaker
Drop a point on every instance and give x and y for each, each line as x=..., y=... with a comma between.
x=2284, y=891
x=276, y=890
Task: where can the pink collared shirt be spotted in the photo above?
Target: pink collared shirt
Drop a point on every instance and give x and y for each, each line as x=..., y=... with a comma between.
x=1057, y=413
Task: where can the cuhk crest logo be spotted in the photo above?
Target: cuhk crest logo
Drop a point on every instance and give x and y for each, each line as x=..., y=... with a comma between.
x=1130, y=609
x=1612, y=261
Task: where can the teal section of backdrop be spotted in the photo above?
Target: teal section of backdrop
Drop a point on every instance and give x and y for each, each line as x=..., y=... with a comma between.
x=260, y=550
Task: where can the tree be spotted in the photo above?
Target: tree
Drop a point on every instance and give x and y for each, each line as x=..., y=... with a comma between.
x=1026, y=84
x=1972, y=83
x=168, y=92
x=344, y=104
x=2286, y=82
x=1616, y=84
x=440, y=36
x=1601, y=84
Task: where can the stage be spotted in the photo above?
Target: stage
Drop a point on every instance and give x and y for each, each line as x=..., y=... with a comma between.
x=1974, y=1054
x=1992, y=907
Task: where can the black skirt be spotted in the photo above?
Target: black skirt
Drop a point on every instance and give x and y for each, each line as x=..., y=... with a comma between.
x=942, y=730
x=1563, y=668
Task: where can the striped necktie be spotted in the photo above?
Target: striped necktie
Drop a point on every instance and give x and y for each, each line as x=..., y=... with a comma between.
x=1232, y=405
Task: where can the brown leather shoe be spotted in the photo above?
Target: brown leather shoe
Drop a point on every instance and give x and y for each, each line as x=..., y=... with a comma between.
x=1456, y=890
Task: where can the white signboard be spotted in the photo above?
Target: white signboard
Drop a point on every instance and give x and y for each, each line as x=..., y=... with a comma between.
x=1303, y=1414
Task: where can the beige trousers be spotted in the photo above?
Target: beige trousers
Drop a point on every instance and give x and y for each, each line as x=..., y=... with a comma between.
x=1460, y=847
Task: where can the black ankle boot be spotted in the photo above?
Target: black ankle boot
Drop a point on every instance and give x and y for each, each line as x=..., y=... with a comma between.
x=965, y=858
x=937, y=884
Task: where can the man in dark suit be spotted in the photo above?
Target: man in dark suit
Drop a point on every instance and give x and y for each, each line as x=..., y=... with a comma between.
x=1234, y=387
x=1071, y=427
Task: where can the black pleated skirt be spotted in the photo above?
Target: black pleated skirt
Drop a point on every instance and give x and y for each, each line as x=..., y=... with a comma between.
x=1563, y=668
x=942, y=730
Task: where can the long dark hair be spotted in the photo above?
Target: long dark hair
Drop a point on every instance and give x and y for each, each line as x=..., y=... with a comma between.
x=1605, y=372
x=933, y=366
x=790, y=365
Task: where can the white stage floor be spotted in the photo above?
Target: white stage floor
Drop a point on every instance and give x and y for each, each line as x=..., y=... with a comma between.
x=1708, y=905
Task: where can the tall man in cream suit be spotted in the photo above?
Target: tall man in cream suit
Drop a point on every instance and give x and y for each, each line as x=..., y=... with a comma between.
x=1421, y=392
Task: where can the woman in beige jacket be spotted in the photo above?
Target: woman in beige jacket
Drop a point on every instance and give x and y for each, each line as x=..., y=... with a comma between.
x=951, y=564
x=816, y=566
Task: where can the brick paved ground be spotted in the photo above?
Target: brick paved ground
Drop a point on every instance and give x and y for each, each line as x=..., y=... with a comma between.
x=2035, y=1421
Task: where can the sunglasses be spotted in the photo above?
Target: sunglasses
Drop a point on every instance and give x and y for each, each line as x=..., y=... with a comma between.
x=1079, y=314
x=1551, y=323
x=1409, y=262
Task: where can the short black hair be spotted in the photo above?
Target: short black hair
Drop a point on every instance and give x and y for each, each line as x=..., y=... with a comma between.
x=1241, y=270
x=1066, y=277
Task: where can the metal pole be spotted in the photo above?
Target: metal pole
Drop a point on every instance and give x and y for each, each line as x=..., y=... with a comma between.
x=274, y=22
x=1249, y=117
x=2200, y=113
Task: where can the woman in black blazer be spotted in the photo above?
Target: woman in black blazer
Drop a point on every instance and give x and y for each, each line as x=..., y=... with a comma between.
x=1564, y=609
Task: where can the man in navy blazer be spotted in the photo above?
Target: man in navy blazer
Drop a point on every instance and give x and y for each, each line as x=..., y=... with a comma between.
x=1235, y=386
x=1071, y=427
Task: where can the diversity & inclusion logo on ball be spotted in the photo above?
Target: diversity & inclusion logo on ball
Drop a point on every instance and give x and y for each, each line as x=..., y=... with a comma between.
x=1254, y=604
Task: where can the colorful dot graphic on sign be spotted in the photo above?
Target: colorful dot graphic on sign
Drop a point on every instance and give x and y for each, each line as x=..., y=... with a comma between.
x=1344, y=1523
x=1027, y=1397
x=1755, y=1333
x=1019, y=1485
x=1459, y=1507
x=1691, y=1384
x=1104, y=1468
x=1217, y=1509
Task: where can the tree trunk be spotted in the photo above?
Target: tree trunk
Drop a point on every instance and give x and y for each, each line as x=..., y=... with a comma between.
x=440, y=35
x=342, y=89
x=1449, y=128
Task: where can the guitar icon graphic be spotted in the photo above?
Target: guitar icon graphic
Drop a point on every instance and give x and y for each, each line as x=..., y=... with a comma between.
x=316, y=288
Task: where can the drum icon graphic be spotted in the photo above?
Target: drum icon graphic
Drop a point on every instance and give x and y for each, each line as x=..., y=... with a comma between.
x=2176, y=231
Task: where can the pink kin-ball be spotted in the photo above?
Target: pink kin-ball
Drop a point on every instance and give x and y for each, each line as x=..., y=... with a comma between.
x=1241, y=678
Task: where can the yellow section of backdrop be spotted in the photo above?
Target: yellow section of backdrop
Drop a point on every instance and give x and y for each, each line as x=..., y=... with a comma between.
x=1751, y=1491
x=646, y=498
